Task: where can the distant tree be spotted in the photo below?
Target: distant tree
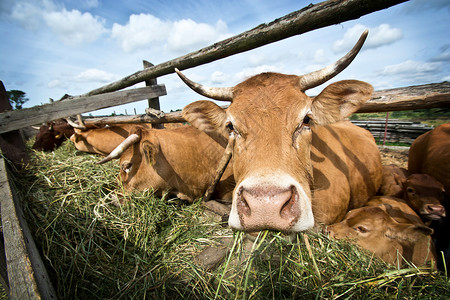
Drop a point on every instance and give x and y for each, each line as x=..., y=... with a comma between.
x=16, y=98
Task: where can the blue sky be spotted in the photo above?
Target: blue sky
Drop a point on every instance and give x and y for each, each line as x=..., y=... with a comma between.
x=53, y=47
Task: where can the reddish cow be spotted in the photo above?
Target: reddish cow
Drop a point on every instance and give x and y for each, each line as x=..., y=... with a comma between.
x=180, y=161
x=430, y=154
x=425, y=195
x=274, y=124
x=389, y=229
x=52, y=135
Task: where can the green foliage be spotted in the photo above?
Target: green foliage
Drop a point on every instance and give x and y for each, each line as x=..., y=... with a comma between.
x=431, y=116
x=96, y=248
x=17, y=98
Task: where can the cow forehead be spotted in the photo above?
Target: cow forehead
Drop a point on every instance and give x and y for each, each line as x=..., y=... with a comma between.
x=269, y=97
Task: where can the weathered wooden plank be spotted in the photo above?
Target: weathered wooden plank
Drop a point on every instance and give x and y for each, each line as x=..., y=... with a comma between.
x=17, y=119
x=27, y=276
x=432, y=95
x=173, y=117
x=311, y=17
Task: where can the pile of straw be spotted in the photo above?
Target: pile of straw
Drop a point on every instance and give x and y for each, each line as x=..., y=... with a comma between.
x=99, y=242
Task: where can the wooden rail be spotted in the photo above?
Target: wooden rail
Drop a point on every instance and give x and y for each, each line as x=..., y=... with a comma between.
x=406, y=98
x=27, y=276
x=17, y=119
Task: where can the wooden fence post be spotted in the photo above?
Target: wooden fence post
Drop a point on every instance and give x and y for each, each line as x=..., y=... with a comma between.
x=153, y=102
x=11, y=143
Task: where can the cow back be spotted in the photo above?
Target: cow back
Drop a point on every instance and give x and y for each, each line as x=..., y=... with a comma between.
x=346, y=167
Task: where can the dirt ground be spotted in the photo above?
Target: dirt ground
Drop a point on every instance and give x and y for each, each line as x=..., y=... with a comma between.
x=394, y=155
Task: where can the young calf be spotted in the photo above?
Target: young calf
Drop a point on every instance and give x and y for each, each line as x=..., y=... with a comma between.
x=392, y=231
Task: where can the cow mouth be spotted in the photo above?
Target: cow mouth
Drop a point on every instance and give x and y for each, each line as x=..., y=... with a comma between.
x=433, y=216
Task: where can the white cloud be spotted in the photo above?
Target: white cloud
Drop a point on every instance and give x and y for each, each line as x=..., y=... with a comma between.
x=141, y=30
x=248, y=72
x=378, y=36
x=219, y=77
x=187, y=34
x=446, y=78
x=181, y=36
x=74, y=27
x=29, y=13
x=91, y=3
x=319, y=56
x=442, y=57
x=95, y=75
x=411, y=68
x=56, y=84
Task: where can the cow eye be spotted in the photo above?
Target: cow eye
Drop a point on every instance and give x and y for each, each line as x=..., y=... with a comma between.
x=361, y=229
x=306, y=120
x=410, y=190
x=229, y=126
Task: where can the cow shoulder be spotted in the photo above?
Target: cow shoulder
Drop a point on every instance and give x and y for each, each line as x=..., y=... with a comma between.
x=339, y=100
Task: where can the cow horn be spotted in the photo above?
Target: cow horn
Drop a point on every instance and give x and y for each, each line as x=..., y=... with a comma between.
x=217, y=93
x=80, y=126
x=117, y=152
x=316, y=78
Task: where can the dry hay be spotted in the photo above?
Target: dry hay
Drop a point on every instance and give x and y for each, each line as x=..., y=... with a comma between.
x=148, y=247
x=394, y=155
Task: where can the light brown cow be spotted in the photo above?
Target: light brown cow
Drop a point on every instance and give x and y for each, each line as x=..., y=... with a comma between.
x=272, y=118
x=390, y=229
x=101, y=140
x=180, y=161
x=392, y=181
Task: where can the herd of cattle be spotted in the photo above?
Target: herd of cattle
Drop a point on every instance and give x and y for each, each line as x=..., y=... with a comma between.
x=296, y=163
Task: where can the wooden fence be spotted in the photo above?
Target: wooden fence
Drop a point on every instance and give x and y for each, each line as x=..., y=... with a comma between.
x=27, y=279
x=397, y=131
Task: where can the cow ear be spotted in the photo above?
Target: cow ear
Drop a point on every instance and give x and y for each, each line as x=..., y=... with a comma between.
x=408, y=232
x=150, y=150
x=339, y=100
x=205, y=116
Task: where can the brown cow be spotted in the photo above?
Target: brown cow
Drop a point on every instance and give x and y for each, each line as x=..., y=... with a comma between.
x=52, y=135
x=425, y=195
x=389, y=229
x=430, y=154
x=271, y=119
x=392, y=181
x=181, y=161
x=101, y=140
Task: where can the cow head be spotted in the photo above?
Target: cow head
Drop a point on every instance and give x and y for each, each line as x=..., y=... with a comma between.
x=373, y=229
x=425, y=195
x=52, y=135
x=270, y=117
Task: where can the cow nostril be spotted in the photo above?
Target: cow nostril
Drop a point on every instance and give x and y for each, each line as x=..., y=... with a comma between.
x=242, y=203
x=286, y=209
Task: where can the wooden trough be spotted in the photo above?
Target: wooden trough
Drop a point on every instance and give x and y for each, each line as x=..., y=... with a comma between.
x=25, y=276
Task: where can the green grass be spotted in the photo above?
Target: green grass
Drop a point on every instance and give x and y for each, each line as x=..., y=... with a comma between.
x=430, y=117
x=146, y=247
